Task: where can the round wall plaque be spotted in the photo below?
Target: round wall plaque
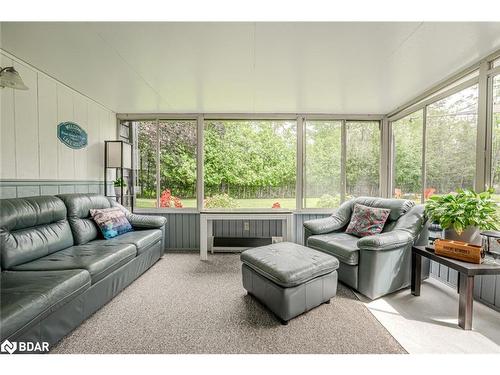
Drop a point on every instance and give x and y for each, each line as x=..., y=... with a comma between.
x=72, y=135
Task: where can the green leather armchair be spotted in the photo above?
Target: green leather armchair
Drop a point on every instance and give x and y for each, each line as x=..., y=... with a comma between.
x=374, y=265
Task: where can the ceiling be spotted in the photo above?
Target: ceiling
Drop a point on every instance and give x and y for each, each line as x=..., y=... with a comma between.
x=341, y=68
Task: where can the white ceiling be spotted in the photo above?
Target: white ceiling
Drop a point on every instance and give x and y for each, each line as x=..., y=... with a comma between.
x=342, y=68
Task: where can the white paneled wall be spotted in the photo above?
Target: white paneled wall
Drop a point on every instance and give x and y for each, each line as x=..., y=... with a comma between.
x=30, y=149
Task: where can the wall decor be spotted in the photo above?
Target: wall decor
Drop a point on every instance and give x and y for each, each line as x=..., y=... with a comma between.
x=72, y=135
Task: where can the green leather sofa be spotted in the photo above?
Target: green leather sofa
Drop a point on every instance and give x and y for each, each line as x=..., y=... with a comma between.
x=57, y=270
x=374, y=265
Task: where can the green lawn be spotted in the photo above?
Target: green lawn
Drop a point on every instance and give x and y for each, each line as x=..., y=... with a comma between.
x=254, y=203
x=242, y=203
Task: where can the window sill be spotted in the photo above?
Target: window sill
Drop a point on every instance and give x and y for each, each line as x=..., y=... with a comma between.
x=193, y=211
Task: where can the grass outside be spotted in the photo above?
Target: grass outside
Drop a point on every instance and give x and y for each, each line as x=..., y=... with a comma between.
x=256, y=203
x=242, y=203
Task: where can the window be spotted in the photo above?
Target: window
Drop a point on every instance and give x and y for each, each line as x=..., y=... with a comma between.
x=362, y=158
x=250, y=163
x=495, y=159
x=407, y=134
x=177, y=163
x=146, y=134
x=170, y=181
x=322, y=164
x=451, y=127
x=495, y=63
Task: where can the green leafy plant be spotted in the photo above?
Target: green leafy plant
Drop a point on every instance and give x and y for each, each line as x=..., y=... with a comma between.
x=119, y=182
x=220, y=201
x=463, y=209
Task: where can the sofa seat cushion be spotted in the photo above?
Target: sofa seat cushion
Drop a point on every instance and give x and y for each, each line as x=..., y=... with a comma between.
x=142, y=239
x=99, y=260
x=27, y=296
x=288, y=264
x=341, y=245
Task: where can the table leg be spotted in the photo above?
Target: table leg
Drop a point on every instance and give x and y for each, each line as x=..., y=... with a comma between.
x=416, y=273
x=465, y=301
x=203, y=237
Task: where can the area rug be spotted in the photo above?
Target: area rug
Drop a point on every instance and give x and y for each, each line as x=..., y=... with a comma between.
x=184, y=305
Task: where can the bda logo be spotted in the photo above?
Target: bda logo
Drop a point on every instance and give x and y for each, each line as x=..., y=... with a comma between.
x=8, y=346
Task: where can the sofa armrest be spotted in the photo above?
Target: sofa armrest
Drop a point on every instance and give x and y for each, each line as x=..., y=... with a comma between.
x=146, y=221
x=386, y=241
x=141, y=221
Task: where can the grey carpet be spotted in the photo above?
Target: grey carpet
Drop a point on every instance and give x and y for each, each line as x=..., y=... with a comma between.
x=183, y=305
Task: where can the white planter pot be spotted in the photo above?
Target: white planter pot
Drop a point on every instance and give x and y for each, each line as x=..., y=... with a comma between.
x=470, y=235
x=118, y=191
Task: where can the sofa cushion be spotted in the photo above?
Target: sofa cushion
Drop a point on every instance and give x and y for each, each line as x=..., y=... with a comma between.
x=142, y=239
x=341, y=245
x=367, y=221
x=111, y=221
x=27, y=296
x=31, y=228
x=100, y=260
x=289, y=264
x=82, y=225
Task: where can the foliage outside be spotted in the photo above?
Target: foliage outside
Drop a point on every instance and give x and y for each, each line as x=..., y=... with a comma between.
x=463, y=209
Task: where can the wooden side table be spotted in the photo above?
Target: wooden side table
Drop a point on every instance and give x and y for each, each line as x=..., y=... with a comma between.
x=467, y=272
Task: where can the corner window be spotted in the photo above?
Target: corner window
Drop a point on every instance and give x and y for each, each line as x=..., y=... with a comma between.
x=407, y=134
x=451, y=129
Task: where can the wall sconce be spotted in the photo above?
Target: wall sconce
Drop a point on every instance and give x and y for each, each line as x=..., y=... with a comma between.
x=9, y=77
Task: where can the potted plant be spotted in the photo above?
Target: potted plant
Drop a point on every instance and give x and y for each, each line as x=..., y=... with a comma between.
x=463, y=214
x=119, y=183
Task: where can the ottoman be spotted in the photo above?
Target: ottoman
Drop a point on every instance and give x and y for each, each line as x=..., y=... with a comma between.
x=289, y=279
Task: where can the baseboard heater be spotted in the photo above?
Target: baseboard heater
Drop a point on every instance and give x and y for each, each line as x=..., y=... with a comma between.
x=229, y=244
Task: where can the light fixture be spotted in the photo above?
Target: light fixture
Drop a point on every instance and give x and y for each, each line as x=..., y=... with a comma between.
x=9, y=77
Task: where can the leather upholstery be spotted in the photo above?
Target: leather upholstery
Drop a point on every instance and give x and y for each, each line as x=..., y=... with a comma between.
x=382, y=262
x=288, y=264
x=79, y=205
x=26, y=296
x=343, y=246
x=142, y=239
x=31, y=228
x=98, y=260
x=342, y=216
x=52, y=284
x=141, y=221
x=287, y=303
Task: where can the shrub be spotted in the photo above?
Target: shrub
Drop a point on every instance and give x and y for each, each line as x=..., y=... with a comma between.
x=328, y=201
x=167, y=200
x=220, y=201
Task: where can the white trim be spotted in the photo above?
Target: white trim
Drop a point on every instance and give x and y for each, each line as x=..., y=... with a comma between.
x=206, y=220
x=300, y=163
x=200, y=157
x=434, y=99
x=481, y=131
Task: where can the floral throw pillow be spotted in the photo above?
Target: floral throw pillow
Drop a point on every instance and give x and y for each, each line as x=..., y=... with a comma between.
x=367, y=221
x=111, y=221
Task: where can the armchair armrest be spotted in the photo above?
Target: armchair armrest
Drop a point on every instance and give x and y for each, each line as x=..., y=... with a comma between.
x=325, y=225
x=146, y=221
x=386, y=241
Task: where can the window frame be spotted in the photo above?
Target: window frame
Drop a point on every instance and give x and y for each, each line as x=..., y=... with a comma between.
x=300, y=141
x=486, y=71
